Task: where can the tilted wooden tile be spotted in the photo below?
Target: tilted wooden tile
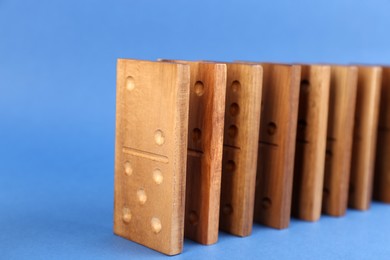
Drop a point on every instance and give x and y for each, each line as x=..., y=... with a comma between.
x=382, y=164
x=364, y=138
x=311, y=142
x=150, y=153
x=278, y=125
x=242, y=119
x=205, y=143
x=342, y=100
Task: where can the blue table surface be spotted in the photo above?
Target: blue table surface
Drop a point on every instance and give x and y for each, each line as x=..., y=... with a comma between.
x=57, y=114
x=67, y=214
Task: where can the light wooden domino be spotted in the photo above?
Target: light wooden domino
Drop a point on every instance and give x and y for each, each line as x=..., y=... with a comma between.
x=242, y=119
x=205, y=142
x=382, y=164
x=365, y=135
x=150, y=153
x=278, y=126
x=311, y=142
x=342, y=100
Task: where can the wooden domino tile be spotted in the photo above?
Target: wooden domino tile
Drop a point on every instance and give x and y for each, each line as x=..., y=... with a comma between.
x=150, y=153
x=382, y=164
x=311, y=142
x=205, y=142
x=342, y=100
x=365, y=136
x=242, y=119
x=278, y=126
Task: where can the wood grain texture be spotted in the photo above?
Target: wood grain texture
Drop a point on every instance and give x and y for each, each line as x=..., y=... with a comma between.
x=365, y=137
x=311, y=142
x=278, y=125
x=342, y=100
x=382, y=164
x=150, y=153
x=242, y=119
x=205, y=145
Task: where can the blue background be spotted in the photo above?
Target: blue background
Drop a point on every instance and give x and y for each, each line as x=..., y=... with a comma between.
x=57, y=109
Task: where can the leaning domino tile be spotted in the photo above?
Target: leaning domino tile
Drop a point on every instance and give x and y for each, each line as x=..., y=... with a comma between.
x=150, y=153
x=382, y=163
x=242, y=120
x=311, y=142
x=364, y=138
x=342, y=101
x=204, y=155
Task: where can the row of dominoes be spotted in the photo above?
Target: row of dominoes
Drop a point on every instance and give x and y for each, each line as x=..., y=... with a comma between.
x=208, y=146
